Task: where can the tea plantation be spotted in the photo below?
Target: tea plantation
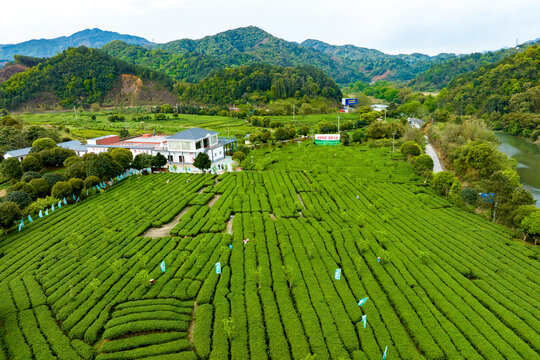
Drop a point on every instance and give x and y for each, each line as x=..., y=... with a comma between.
x=441, y=283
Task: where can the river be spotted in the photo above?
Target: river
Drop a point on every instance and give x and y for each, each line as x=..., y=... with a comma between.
x=527, y=155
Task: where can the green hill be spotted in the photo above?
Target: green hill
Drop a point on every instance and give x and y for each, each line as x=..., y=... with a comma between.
x=80, y=76
x=440, y=74
x=186, y=66
x=94, y=38
x=506, y=94
x=376, y=65
x=262, y=84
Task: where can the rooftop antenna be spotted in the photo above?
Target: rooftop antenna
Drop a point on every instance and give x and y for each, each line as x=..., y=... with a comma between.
x=516, y=42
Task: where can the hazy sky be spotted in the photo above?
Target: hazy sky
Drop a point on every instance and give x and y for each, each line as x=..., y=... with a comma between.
x=393, y=26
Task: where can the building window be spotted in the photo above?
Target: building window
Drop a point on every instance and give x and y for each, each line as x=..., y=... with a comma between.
x=198, y=145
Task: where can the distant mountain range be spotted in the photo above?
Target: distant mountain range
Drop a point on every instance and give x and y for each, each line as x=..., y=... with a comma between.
x=191, y=60
x=94, y=38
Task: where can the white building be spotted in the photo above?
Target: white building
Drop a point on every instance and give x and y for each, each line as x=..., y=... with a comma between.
x=181, y=148
x=414, y=122
x=75, y=145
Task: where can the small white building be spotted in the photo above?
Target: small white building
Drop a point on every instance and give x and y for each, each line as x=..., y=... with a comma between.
x=414, y=122
x=75, y=145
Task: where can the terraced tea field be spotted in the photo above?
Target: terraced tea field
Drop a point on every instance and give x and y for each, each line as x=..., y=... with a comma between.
x=449, y=285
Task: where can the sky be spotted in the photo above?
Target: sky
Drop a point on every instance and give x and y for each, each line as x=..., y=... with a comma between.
x=392, y=26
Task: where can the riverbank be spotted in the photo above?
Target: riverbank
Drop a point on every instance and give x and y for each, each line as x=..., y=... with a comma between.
x=527, y=155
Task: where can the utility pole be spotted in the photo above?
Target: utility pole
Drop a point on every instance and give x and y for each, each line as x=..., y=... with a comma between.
x=293, y=112
x=393, y=140
x=338, y=124
x=384, y=114
x=75, y=110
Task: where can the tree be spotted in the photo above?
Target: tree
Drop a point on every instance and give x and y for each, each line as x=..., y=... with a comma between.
x=21, y=198
x=521, y=213
x=76, y=185
x=281, y=134
x=72, y=160
x=410, y=149
x=238, y=156
x=122, y=156
x=29, y=175
x=202, y=161
x=423, y=165
x=42, y=187
x=32, y=162
x=11, y=168
x=469, y=196
x=103, y=166
x=359, y=135
x=61, y=190
x=304, y=130
x=442, y=182
x=531, y=226
x=142, y=161
x=53, y=178
x=9, y=213
x=91, y=181
x=43, y=144
x=22, y=186
x=159, y=161
x=76, y=170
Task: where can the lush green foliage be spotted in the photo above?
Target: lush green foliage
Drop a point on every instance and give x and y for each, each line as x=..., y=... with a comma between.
x=75, y=76
x=261, y=84
x=439, y=75
x=507, y=93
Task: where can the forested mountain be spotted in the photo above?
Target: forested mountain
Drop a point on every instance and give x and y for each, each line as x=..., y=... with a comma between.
x=440, y=74
x=249, y=45
x=94, y=38
x=186, y=66
x=81, y=76
x=506, y=94
x=376, y=65
x=262, y=84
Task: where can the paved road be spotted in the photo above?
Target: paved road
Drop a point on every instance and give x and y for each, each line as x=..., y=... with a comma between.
x=437, y=167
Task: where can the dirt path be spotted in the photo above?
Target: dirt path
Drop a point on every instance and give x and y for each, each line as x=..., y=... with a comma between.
x=229, y=224
x=3, y=192
x=165, y=229
x=192, y=324
x=301, y=201
x=214, y=199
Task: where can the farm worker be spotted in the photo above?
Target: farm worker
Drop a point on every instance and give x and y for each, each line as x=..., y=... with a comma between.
x=168, y=180
x=378, y=259
x=187, y=180
x=246, y=241
x=357, y=197
x=152, y=282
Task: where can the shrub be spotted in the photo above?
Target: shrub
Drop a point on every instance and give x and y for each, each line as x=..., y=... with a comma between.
x=11, y=168
x=72, y=160
x=43, y=144
x=32, y=162
x=76, y=185
x=469, y=196
x=76, y=170
x=53, y=178
x=9, y=213
x=123, y=156
x=423, y=165
x=159, y=161
x=61, y=190
x=442, y=182
x=21, y=198
x=42, y=187
x=410, y=149
x=41, y=204
x=531, y=225
x=91, y=181
x=238, y=156
x=29, y=175
x=22, y=186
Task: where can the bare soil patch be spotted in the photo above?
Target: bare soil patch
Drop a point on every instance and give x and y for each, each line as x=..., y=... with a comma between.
x=165, y=229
